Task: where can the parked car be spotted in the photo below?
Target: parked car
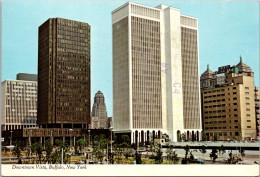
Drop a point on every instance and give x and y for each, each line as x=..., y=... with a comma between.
x=199, y=161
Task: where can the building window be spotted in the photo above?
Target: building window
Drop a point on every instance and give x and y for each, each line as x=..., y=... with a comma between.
x=236, y=133
x=247, y=93
x=247, y=103
x=247, y=98
x=248, y=120
x=235, y=98
x=247, y=88
x=247, y=109
x=235, y=109
x=234, y=93
x=248, y=126
x=236, y=126
x=234, y=103
x=248, y=115
x=235, y=120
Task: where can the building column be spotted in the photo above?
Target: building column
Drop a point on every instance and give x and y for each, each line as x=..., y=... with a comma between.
x=74, y=140
x=41, y=140
x=63, y=139
x=139, y=137
x=132, y=137
x=29, y=140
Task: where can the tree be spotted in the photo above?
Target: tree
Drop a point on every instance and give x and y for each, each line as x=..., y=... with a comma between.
x=100, y=143
x=17, y=151
x=215, y=137
x=204, y=137
x=48, y=149
x=158, y=155
x=171, y=155
x=138, y=158
x=221, y=150
x=127, y=149
x=56, y=155
x=183, y=137
x=231, y=159
x=213, y=155
x=125, y=139
x=191, y=158
x=37, y=147
x=203, y=150
x=81, y=143
x=242, y=152
x=175, y=157
x=98, y=153
x=187, y=149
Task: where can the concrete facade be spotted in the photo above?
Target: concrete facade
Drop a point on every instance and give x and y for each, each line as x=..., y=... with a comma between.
x=18, y=104
x=154, y=86
x=229, y=109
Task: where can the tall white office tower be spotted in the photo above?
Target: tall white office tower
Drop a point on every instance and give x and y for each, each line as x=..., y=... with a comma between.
x=156, y=87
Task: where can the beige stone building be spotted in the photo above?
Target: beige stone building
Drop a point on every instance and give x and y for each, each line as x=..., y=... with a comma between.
x=18, y=104
x=228, y=103
x=99, y=117
x=257, y=110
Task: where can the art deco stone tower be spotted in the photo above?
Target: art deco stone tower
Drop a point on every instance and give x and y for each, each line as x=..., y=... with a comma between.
x=64, y=74
x=99, y=110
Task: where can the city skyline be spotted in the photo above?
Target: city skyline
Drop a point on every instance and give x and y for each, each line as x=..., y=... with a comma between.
x=227, y=41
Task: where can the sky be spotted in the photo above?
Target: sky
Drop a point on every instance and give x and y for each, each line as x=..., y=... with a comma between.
x=227, y=30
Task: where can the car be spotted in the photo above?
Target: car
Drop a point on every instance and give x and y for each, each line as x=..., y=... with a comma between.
x=199, y=161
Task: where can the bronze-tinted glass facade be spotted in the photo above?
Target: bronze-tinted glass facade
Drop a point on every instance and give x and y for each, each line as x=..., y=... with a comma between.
x=64, y=73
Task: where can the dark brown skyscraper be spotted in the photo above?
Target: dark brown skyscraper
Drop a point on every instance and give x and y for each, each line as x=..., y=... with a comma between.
x=64, y=74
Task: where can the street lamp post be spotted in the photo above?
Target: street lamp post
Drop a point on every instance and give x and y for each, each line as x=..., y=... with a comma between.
x=51, y=138
x=89, y=138
x=30, y=143
x=70, y=138
x=11, y=137
x=111, y=129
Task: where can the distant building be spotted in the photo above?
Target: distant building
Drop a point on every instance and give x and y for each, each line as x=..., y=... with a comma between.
x=99, y=113
x=64, y=74
x=228, y=103
x=257, y=110
x=19, y=103
x=95, y=123
x=155, y=73
x=110, y=122
x=27, y=77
